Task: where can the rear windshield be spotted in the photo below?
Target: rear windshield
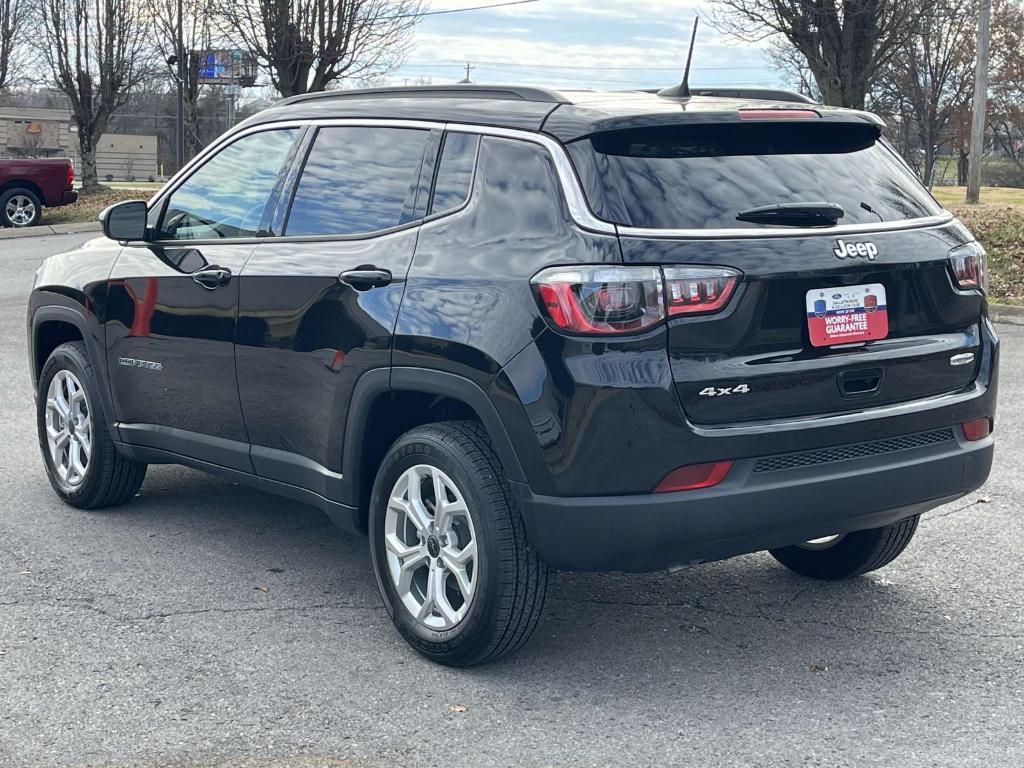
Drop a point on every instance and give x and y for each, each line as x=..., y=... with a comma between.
x=702, y=176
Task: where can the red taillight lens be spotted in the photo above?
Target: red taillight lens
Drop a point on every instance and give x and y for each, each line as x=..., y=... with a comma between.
x=602, y=300
x=694, y=476
x=610, y=300
x=71, y=174
x=978, y=429
x=693, y=290
x=970, y=266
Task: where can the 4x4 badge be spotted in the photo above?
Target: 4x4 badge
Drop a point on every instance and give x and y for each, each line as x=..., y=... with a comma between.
x=844, y=250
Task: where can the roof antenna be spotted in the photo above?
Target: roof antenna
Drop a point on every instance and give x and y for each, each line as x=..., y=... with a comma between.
x=682, y=91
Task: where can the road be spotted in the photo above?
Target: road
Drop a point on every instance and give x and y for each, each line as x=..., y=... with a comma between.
x=207, y=624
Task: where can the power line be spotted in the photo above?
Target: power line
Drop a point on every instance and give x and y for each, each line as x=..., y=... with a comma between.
x=460, y=10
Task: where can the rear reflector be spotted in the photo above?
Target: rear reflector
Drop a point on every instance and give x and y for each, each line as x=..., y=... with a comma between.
x=978, y=429
x=778, y=114
x=694, y=476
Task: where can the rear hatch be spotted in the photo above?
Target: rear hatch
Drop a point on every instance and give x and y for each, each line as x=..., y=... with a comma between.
x=844, y=297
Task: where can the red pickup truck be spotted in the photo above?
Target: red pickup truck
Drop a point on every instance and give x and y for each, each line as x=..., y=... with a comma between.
x=28, y=185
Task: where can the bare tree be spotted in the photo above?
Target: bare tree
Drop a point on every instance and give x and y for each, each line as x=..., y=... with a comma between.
x=1006, y=104
x=928, y=81
x=13, y=22
x=95, y=50
x=197, y=34
x=845, y=42
x=306, y=45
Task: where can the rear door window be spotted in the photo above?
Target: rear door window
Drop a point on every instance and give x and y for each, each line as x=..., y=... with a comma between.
x=455, y=171
x=358, y=180
x=702, y=176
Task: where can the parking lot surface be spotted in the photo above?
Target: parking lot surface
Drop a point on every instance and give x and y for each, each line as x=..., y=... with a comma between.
x=207, y=624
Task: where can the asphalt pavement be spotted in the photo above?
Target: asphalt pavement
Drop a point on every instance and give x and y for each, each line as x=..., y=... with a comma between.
x=207, y=624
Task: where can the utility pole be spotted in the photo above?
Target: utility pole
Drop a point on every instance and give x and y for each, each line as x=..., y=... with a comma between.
x=179, y=121
x=980, y=104
x=469, y=68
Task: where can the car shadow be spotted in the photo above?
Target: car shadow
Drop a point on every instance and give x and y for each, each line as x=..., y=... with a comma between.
x=747, y=622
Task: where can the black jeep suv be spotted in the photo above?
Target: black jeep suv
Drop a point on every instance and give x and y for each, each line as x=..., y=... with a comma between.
x=508, y=330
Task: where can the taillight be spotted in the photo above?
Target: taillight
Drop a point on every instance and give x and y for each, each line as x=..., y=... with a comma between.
x=612, y=300
x=695, y=290
x=602, y=299
x=970, y=266
x=694, y=476
x=71, y=174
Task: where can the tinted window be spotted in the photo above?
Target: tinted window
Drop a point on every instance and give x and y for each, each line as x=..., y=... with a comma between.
x=455, y=172
x=702, y=176
x=228, y=195
x=358, y=180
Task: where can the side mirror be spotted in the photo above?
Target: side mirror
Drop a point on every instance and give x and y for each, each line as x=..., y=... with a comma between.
x=125, y=222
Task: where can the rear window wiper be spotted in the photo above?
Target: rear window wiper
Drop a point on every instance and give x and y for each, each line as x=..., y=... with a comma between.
x=793, y=214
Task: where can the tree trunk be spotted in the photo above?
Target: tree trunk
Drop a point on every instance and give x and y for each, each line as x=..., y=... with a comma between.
x=929, y=165
x=87, y=154
x=961, y=167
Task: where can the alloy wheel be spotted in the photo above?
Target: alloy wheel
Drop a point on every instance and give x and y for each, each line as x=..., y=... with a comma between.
x=68, y=428
x=21, y=210
x=431, y=547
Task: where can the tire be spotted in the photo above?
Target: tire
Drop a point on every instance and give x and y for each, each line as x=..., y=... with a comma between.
x=851, y=554
x=101, y=477
x=509, y=586
x=20, y=207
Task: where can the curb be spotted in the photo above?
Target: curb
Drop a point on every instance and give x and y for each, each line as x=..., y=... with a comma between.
x=51, y=229
x=1006, y=313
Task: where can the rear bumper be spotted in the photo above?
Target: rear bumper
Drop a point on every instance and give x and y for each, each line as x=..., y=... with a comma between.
x=754, y=509
x=68, y=197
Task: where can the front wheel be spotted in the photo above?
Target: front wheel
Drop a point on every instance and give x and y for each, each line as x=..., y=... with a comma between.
x=845, y=555
x=82, y=463
x=461, y=582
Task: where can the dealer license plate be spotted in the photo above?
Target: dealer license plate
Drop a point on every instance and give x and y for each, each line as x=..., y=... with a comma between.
x=846, y=315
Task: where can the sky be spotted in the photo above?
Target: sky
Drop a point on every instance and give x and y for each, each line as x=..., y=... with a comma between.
x=613, y=44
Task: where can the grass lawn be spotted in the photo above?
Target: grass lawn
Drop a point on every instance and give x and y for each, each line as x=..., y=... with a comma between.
x=89, y=207
x=955, y=196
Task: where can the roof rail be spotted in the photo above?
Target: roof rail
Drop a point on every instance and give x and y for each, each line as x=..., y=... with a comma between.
x=500, y=92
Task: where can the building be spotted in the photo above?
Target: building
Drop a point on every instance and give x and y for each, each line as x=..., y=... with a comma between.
x=28, y=132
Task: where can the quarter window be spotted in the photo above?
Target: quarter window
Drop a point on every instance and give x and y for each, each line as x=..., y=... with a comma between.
x=455, y=171
x=227, y=197
x=358, y=180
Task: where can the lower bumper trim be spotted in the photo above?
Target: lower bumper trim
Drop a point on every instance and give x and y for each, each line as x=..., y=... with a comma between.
x=750, y=512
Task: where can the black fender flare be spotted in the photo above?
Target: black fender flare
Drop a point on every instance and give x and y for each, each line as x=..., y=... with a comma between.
x=97, y=355
x=426, y=380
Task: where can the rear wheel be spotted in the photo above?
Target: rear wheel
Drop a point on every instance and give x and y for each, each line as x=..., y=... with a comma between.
x=851, y=554
x=20, y=208
x=82, y=463
x=449, y=548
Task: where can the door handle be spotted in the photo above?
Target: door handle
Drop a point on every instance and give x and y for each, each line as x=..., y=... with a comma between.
x=364, y=278
x=212, y=277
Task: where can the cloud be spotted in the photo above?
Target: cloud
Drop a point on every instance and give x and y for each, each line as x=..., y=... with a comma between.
x=572, y=43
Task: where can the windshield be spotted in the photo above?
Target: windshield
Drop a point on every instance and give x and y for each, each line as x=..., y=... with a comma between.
x=704, y=176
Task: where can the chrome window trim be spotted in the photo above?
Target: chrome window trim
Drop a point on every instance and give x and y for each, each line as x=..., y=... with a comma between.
x=575, y=199
x=741, y=233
